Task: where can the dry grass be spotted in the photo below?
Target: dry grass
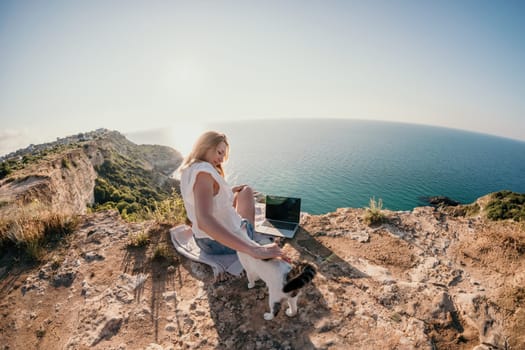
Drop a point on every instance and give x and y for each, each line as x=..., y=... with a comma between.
x=373, y=213
x=517, y=328
x=31, y=226
x=162, y=252
x=497, y=245
x=501, y=249
x=139, y=239
x=167, y=212
x=511, y=300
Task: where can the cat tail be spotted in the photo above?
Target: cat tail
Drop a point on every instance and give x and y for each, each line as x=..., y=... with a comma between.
x=299, y=276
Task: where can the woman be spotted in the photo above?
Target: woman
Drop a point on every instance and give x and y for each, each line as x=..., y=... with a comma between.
x=217, y=211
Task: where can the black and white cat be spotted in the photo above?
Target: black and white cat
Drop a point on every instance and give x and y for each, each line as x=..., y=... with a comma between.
x=283, y=280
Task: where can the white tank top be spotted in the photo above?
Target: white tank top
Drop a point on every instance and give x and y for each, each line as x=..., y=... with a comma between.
x=223, y=209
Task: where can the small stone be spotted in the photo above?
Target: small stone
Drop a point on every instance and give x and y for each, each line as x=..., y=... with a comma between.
x=92, y=256
x=170, y=327
x=324, y=325
x=64, y=279
x=169, y=296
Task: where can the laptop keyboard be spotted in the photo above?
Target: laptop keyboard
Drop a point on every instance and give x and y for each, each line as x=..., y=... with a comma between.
x=281, y=225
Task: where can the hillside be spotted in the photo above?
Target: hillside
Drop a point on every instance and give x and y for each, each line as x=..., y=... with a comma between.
x=446, y=277
x=72, y=173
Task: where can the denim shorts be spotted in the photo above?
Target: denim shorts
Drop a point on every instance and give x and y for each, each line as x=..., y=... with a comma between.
x=212, y=247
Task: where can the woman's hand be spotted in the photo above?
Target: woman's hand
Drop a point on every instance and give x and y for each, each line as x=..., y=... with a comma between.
x=267, y=251
x=238, y=188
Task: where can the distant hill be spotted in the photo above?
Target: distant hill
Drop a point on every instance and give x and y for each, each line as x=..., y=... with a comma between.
x=98, y=168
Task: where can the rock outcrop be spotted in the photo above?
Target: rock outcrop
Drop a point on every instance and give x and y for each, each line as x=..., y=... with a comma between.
x=65, y=181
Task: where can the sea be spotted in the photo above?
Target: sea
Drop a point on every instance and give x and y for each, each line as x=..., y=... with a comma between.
x=338, y=163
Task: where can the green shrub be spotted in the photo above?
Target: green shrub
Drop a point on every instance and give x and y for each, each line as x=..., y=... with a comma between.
x=125, y=185
x=40, y=333
x=106, y=206
x=138, y=239
x=373, y=213
x=506, y=205
x=122, y=206
x=65, y=163
x=121, y=180
x=5, y=170
x=102, y=191
x=29, y=158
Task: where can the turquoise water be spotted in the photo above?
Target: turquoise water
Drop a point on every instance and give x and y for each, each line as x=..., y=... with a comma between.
x=343, y=163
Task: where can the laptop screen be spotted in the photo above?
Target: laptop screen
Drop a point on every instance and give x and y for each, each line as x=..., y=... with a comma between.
x=283, y=208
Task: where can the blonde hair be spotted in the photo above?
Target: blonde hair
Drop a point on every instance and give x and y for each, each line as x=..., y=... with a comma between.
x=205, y=142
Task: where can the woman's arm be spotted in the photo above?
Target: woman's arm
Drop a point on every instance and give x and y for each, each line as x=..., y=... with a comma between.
x=203, y=191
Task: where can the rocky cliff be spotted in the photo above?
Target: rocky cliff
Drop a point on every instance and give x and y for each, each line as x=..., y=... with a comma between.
x=64, y=181
x=64, y=178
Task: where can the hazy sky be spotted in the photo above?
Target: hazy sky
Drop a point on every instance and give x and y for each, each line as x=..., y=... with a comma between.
x=72, y=66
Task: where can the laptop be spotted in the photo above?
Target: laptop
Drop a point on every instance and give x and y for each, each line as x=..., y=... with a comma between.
x=282, y=216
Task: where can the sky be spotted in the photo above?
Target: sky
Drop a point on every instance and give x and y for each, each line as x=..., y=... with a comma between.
x=74, y=66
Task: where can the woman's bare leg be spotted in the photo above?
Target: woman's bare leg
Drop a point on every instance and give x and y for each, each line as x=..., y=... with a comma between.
x=245, y=204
